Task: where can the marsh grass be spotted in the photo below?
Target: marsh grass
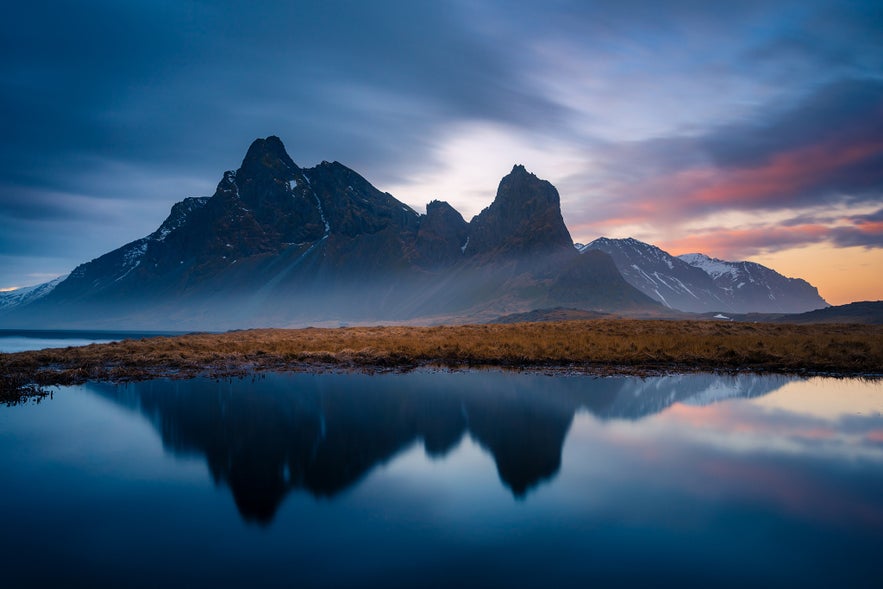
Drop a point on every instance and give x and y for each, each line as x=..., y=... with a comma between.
x=600, y=346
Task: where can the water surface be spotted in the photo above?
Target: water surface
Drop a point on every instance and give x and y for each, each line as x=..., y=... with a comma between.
x=23, y=340
x=441, y=479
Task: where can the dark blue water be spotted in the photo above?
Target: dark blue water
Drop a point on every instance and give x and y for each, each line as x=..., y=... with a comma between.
x=21, y=340
x=445, y=479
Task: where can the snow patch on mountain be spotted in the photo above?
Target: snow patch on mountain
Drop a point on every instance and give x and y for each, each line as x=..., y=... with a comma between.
x=322, y=216
x=711, y=266
x=28, y=294
x=177, y=217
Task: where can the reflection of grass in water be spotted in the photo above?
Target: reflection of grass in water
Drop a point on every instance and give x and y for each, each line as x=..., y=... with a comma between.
x=605, y=345
x=17, y=388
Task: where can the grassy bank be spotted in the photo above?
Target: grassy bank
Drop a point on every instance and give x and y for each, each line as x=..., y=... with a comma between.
x=603, y=346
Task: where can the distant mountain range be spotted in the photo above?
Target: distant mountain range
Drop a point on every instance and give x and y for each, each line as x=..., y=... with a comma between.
x=282, y=245
x=697, y=283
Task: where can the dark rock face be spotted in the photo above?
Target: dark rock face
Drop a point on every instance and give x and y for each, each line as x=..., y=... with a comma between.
x=280, y=245
x=525, y=218
x=442, y=236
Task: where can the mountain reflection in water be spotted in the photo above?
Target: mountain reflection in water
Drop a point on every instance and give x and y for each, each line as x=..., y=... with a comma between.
x=323, y=433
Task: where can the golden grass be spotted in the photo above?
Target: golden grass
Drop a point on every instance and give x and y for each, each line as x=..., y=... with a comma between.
x=602, y=345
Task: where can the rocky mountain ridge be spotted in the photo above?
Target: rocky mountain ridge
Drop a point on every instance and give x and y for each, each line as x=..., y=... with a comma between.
x=278, y=244
x=699, y=284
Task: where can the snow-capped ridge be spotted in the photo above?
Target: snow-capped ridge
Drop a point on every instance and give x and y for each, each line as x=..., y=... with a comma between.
x=711, y=266
x=699, y=283
x=28, y=294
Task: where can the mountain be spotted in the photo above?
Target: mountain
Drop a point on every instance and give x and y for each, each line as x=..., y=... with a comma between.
x=756, y=288
x=27, y=294
x=867, y=312
x=277, y=244
x=525, y=218
x=699, y=284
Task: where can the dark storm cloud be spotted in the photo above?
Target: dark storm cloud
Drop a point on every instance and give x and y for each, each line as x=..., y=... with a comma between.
x=190, y=84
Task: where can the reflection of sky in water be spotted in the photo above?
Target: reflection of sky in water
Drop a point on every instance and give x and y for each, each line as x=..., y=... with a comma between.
x=9, y=345
x=656, y=483
x=828, y=398
x=15, y=340
x=729, y=453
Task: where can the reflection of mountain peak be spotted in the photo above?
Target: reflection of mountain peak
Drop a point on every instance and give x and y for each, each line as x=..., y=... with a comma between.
x=324, y=433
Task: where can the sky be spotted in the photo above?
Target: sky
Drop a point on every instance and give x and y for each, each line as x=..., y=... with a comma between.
x=743, y=130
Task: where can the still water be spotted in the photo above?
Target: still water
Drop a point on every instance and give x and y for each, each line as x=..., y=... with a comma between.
x=445, y=479
x=23, y=340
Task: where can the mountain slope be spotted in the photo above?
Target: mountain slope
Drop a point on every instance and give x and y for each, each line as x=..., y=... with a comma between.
x=697, y=283
x=277, y=244
x=27, y=294
x=753, y=288
x=866, y=312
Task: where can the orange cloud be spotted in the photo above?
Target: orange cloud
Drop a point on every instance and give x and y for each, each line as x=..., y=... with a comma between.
x=730, y=243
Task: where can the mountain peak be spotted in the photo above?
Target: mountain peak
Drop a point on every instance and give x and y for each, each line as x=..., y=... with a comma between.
x=524, y=217
x=267, y=155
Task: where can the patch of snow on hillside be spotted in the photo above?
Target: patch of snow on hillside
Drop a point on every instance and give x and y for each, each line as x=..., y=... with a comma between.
x=645, y=275
x=28, y=294
x=711, y=266
x=134, y=254
x=684, y=286
x=322, y=216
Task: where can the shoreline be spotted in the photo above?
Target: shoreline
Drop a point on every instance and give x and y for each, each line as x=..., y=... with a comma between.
x=602, y=347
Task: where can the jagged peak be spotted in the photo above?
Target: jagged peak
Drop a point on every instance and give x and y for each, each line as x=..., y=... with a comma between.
x=267, y=154
x=524, y=216
x=626, y=241
x=441, y=207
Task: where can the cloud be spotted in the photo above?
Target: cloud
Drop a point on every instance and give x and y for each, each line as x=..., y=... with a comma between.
x=121, y=100
x=826, y=152
x=842, y=113
x=739, y=243
x=659, y=115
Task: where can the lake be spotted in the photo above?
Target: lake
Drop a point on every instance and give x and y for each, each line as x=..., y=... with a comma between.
x=23, y=340
x=439, y=479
